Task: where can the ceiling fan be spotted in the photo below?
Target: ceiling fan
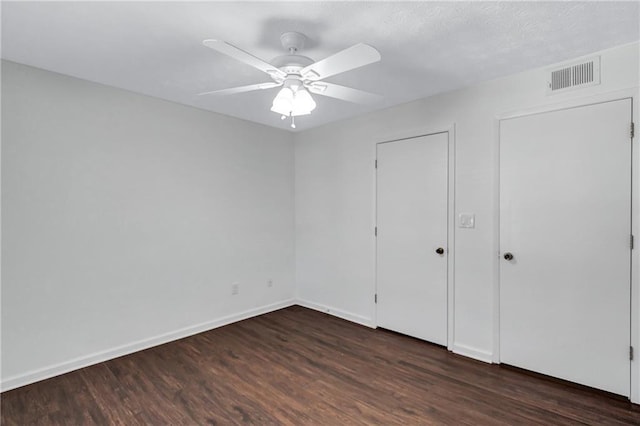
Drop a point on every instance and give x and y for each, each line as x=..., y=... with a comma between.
x=298, y=75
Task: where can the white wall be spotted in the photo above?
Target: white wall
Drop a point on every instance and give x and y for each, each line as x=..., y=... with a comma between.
x=126, y=219
x=335, y=194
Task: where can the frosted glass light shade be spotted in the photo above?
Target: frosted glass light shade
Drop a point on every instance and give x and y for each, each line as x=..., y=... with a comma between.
x=283, y=102
x=303, y=103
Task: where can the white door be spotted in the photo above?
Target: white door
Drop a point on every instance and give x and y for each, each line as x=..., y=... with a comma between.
x=565, y=216
x=412, y=229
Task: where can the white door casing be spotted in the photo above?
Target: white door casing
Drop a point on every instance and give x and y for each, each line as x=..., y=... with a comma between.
x=412, y=212
x=565, y=215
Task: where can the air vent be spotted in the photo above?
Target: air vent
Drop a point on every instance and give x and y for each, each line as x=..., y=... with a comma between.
x=575, y=75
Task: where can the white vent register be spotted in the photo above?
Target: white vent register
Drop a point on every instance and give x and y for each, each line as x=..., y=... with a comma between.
x=574, y=75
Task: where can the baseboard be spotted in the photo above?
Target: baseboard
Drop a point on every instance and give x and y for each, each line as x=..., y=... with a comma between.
x=474, y=353
x=358, y=319
x=459, y=349
x=95, y=358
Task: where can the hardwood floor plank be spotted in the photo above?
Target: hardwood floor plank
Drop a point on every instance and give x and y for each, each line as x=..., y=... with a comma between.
x=297, y=366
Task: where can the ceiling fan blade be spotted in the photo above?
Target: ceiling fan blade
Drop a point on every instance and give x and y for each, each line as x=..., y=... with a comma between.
x=242, y=89
x=344, y=93
x=242, y=56
x=353, y=57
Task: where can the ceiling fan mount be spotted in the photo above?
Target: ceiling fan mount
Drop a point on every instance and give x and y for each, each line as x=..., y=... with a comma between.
x=293, y=41
x=298, y=75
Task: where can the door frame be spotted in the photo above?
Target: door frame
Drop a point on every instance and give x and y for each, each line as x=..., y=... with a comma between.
x=633, y=94
x=451, y=147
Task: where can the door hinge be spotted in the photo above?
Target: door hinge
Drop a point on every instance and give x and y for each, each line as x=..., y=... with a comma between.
x=376, y=164
x=375, y=231
x=375, y=298
x=632, y=131
x=631, y=242
x=631, y=353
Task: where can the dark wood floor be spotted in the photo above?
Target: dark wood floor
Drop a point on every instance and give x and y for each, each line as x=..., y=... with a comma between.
x=297, y=366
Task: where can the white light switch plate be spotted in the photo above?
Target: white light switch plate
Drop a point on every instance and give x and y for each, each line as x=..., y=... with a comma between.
x=467, y=220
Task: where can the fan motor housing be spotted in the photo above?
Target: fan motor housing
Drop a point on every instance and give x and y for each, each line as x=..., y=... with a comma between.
x=291, y=64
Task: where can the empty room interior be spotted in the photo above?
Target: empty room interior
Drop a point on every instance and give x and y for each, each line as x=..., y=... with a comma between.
x=320, y=213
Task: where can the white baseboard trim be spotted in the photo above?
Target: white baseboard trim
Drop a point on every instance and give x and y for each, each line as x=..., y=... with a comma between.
x=95, y=358
x=358, y=319
x=468, y=351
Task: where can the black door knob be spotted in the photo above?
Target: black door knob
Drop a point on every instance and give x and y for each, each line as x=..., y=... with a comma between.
x=440, y=250
x=508, y=256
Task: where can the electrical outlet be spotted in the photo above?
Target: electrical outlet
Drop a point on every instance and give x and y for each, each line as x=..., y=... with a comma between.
x=235, y=288
x=270, y=283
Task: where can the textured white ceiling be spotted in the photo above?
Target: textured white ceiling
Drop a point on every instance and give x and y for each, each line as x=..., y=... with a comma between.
x=156, y=48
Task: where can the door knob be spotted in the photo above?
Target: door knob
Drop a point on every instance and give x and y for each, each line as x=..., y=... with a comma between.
x=440, y=250
x=508, y=256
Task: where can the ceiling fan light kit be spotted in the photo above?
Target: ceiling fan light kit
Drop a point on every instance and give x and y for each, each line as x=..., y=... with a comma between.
x=299, y=76
x=293, y=100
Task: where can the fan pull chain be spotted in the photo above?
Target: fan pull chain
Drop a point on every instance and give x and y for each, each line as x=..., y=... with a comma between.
x=293, y=122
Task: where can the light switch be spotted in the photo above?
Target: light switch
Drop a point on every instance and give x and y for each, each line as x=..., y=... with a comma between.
x=467, y=220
